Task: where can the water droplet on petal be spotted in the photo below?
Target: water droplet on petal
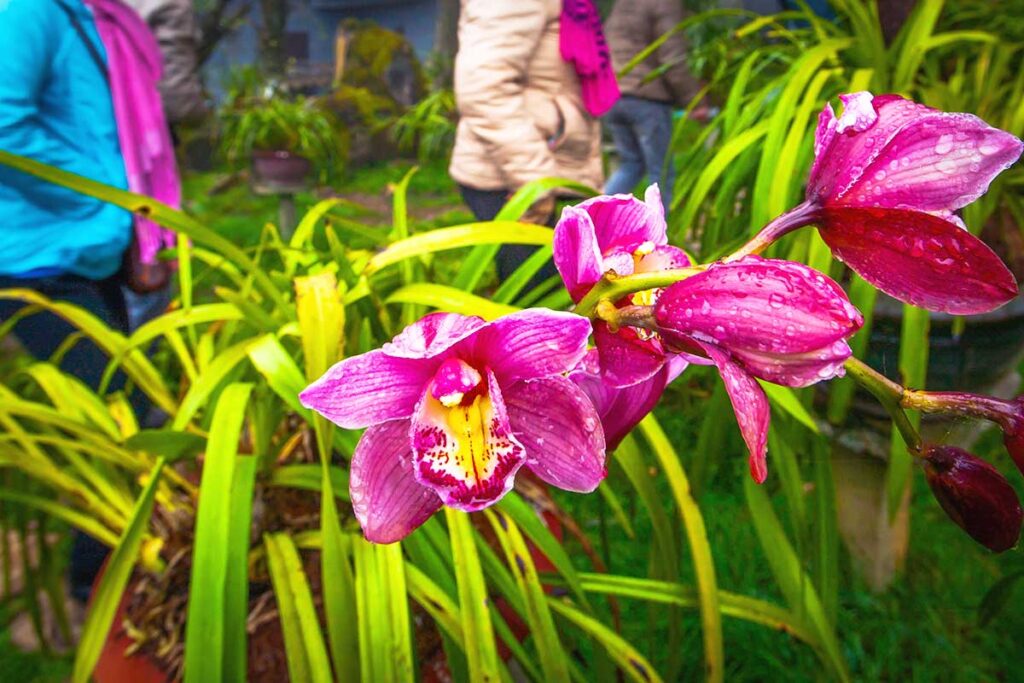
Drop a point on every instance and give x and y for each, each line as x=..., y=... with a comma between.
x=944, y=144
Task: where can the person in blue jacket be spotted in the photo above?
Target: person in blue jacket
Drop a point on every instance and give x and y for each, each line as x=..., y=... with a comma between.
x=56, y=107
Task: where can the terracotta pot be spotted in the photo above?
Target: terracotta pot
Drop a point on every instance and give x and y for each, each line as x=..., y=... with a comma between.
x=280, y=168
x=114, y=667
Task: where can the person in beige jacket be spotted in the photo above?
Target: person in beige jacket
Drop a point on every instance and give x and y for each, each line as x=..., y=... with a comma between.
x=173, y=22
x=641, y=121
x=521, y=112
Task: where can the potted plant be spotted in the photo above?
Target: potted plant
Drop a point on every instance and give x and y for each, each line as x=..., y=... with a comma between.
x=284, y=140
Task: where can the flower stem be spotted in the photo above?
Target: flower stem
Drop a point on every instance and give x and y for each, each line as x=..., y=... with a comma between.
x=630, y=316
x=890, y=395
x=799, y=216
x=612, y=288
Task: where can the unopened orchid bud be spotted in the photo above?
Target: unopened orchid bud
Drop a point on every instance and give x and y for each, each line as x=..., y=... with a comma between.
x=974, y=495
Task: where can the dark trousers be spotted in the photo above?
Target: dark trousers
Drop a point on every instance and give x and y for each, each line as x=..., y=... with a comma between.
x=642, y=131
x=41, y=334
x=485, y=205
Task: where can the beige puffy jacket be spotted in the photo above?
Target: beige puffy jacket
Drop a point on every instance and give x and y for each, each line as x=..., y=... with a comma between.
x=173, y=22
x=521, y=115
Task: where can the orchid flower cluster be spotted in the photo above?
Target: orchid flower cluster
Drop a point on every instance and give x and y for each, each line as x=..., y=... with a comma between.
x=454, y=405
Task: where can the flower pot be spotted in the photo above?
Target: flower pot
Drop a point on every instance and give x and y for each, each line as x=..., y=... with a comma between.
x=280, y=171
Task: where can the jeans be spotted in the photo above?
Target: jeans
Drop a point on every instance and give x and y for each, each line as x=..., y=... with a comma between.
x=485, y=205
x=145, y=307
x=642, y=131
x=41, y=334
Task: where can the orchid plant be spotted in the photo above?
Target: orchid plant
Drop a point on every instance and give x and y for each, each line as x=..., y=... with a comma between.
x=455, y=406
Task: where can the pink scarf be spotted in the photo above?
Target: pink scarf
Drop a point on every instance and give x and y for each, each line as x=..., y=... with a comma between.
x=135, y=67
x=582, y=43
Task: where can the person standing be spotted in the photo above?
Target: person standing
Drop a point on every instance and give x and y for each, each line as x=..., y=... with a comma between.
x=641, y=121
x=173, y=24
x=78, y=91
x=529, y=84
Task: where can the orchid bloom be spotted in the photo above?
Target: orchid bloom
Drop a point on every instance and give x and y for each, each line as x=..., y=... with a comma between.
x=622, y=408
x=888, y=176
x=454, y=406
x=974, y=495
x=618, y=233
x=760, y=318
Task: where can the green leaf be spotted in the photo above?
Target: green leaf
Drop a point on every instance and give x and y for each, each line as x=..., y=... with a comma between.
x=277, y=366
x=996, y=597
x=304, y=644
x=110, y=589
x=791, y=578
x=170, y=445
x=385, y=649
x=538, y=616
x=198, y=395
x=236, y=583
x=696, y=534
x=309, y=477
x=491, y=232
x=445, y=298
x=630, y=661
x=477, y=631
x=204, y=628
x=786, y=399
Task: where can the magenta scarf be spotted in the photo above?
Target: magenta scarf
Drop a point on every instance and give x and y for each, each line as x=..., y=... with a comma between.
x=135, y=66
x=582, y=43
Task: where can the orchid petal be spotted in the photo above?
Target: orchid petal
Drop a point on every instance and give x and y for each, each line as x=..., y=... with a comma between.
x=386, y=498
x=576, y=253
x=796, y=369
x=466, y=453
x=626, y=357
x=750, y=405
x=432, y=335
x=857, y=137
x=561, y=432
x=765, y=306
x=663, y=257
x=919, y=259
x=937, y=162
x=621, y=409
x=621, y=221
x=368, y=389
x=527, y=345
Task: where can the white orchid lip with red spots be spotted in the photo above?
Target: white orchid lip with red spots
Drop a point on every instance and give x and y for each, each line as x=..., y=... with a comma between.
x=779, y=321
x=618, y=233
x=453, y=407
x=888, y=176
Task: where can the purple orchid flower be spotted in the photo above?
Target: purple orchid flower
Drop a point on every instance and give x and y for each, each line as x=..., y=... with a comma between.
x=974, y=495
x=622, y=408
x=760, y=318
x=887, y=178
x=623, y=234
x=454, y=406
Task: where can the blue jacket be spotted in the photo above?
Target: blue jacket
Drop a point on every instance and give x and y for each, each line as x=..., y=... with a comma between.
x=55, y=107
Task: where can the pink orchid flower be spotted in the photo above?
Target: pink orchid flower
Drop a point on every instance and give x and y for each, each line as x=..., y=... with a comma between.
x=622, y=408
x=623, y=234
x=454, y=406
x=888, y=176
x=760, y=318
